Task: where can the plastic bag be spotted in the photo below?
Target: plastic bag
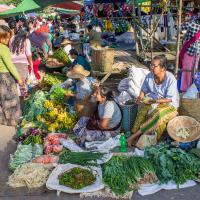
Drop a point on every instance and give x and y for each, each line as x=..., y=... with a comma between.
x=53, y=182
x=146, y=141
x=191, y=93
x=32, y=80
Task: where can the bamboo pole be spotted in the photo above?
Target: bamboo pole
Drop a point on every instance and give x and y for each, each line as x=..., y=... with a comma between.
x=179, y=35
x=135, y=29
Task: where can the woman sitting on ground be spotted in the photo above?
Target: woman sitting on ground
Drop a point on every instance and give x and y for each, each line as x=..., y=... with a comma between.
x=105, y=122
x=154, y=114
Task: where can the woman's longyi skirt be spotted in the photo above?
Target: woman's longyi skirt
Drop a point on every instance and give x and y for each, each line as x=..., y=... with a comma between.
x=9, y=101
x=154, y=122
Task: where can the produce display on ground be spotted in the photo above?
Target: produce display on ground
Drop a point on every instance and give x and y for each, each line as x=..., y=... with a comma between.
x=173, y=164
x=80, y=158
x=47, y=121
x=24, y=154
x=58, y=95
x=53, y=79
x=123, y=174
x=77, y=178
x=31, y=175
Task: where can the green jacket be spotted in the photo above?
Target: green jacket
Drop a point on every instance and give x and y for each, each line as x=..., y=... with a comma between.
x=6, y=64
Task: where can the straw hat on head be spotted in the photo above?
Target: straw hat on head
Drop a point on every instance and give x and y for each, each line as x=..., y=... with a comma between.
x=78, y=72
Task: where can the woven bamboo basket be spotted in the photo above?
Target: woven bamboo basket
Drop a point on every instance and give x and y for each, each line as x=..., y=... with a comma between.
x=190, y=123
x=190, y=107
x=102, y=59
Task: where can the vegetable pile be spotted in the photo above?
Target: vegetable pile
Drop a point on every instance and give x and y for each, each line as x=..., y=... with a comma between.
x=80, y=158
x=31, y=175
x=33, y=107
x=183, y=133
x=50, y=80
x=58, y=95
x=77, y=178
x=24, y=154
x=62, y=57
x=122, y=174
x=173, y=164
x=56, y=117
x=52, y=143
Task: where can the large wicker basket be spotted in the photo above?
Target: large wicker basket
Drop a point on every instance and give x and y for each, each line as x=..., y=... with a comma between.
x=190, y=107
x=184, y=122
x=102, y=59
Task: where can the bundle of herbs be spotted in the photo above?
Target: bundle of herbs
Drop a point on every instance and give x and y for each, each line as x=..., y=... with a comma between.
x=173, y=164
x=80, y=158
x=123, y=174
x=77, y=178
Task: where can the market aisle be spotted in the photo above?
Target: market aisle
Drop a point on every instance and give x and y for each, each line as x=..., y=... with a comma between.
x=7, y=146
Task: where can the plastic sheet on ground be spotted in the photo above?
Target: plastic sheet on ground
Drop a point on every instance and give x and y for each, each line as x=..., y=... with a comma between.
x=103, y=146
x=148, y=189
x=53, y=182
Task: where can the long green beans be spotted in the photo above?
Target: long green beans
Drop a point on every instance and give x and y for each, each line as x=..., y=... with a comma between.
x=80, y=158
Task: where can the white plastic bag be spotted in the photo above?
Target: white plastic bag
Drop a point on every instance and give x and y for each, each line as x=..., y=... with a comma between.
x=147, y=189
x=191, y=93
x=53, y=182
x=32, y=80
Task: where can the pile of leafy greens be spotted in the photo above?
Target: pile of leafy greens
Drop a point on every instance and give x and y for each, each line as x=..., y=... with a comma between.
x=173, y=164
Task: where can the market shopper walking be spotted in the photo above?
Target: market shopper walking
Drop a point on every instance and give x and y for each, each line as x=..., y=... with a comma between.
x=190, y=53
x=9, y=100
x=20, y=46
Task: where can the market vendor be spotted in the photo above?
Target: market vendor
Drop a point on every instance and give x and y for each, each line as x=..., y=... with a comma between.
x=161, y=106
x=105, y=122
x=94, y=36
x=78, y=59
x=82, y=82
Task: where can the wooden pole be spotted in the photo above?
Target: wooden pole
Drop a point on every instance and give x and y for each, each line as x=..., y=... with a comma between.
x=179, y=35
x=135, y=31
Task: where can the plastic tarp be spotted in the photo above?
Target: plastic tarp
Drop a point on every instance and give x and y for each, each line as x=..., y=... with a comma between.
x=31, y=5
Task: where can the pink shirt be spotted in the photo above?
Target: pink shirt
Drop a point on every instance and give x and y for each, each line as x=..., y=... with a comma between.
x=22, y=57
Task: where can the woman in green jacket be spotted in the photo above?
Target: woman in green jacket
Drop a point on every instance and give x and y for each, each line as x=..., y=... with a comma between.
x=9, y=100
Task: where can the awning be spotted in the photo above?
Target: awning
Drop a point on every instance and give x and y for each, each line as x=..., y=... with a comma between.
x=69, y=6
x=31, y=5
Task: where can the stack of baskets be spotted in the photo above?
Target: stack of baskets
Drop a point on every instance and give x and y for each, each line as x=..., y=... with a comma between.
x=190, y=107
x=102, y=59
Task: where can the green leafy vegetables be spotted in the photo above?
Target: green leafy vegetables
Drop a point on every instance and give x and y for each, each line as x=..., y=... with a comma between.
x=80, y=158
x=173, y=164
x=121, y=173
x=62, y=57
x=24, y=154
x=34, y=106
x=77, y=178
x=50, y=80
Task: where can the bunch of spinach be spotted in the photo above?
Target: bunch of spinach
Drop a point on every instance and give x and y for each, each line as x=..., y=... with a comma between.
x=173, y=164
